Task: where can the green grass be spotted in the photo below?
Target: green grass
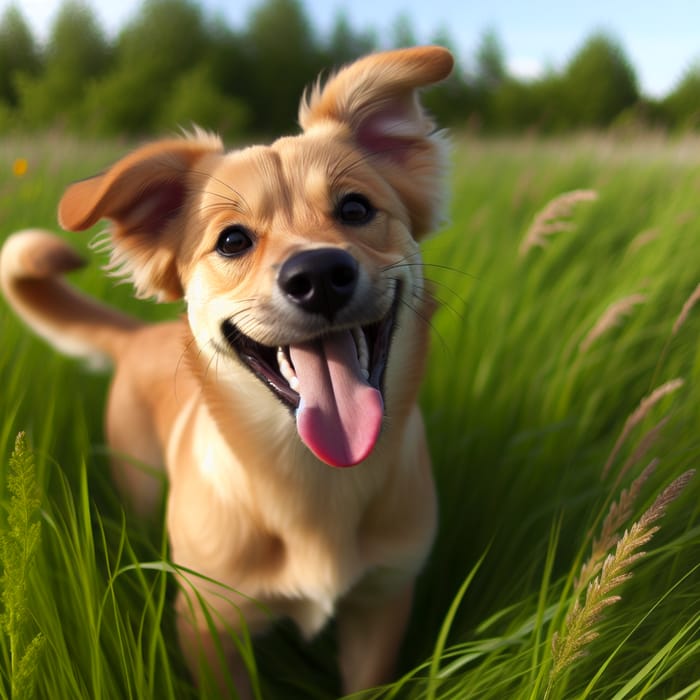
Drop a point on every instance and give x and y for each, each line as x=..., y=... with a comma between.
x=521, y=422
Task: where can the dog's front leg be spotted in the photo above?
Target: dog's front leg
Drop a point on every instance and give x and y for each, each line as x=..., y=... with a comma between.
x=211, y=656
x=370, y=631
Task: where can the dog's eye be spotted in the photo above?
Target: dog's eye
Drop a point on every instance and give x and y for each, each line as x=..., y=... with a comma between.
x=355, y=210
x=233, y=241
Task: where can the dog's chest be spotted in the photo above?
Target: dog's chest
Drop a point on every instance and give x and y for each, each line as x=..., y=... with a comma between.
x=288, y=534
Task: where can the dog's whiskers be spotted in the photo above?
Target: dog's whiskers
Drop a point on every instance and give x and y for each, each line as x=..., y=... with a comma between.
x=245, y=318
x=403, y=262
x=432, y=282
x=421, y=295
x=214, y=356
x=217, y=355
x=237, y=201
x=226, y=205
x=429, y=296
x=239, y=198
x=341, y=169
x=183, y=359
x=336, y=175
x=431, y=292
x=425, y=319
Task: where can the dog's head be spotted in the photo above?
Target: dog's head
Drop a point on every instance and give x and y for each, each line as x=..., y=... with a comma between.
x=298, y=259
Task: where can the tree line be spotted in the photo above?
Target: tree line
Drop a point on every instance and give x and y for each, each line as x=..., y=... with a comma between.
x=173, y=65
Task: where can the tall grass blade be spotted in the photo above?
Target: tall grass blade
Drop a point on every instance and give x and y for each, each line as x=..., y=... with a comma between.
x=545, y=590
x=18, y=549
x=441, y=641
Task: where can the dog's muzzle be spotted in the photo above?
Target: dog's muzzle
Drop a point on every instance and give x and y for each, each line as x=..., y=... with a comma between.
x=333, y=383
x=320, y=281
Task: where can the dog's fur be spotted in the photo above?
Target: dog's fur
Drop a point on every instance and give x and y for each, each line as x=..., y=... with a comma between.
x=249, y=504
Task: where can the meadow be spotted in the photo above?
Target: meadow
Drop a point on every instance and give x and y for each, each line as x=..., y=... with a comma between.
x=563, y=413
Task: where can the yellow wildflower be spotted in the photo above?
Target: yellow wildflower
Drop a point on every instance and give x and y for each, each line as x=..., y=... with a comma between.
x=19, y=167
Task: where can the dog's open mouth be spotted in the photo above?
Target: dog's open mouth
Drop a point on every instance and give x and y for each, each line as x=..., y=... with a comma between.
x=334, y=384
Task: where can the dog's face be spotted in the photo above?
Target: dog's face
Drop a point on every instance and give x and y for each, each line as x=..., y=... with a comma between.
x=301, y=271
x=298, y=260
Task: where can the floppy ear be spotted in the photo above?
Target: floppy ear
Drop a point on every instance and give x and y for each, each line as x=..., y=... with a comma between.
x=144, y=195
x=376, y=98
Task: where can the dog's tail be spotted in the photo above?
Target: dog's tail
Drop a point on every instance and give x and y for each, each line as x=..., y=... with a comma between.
x=31, y=265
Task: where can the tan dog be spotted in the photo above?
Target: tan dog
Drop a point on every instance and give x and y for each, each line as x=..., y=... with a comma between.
x=305, y=340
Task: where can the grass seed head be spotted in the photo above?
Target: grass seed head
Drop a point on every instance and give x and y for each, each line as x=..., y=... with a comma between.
x=685, y=311
x=579, y=632
x=642, y=239
x=611, y=317
x=639, y=414
x=553, y=217
x=618, y=515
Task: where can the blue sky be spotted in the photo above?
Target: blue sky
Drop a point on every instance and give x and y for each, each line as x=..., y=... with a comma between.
x=661, y=39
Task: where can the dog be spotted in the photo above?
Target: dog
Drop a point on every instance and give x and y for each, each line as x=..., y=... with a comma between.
x=303, y=346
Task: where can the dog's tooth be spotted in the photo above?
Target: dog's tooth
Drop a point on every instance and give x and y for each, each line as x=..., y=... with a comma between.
x=362, y=350
x=286, y=369
x=286, y=372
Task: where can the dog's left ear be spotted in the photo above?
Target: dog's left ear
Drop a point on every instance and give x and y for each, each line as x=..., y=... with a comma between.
x=376, y=98
x=144, y=195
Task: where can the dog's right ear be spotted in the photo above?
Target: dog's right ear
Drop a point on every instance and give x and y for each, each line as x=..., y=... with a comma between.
x=376, y=100
x=143, y=195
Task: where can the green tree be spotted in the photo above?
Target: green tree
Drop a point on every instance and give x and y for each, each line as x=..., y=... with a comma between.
x=282, y=47
x=403, y=33
x=681, y=108
x=345, y=44
x=226, y=60
x=599, y=83
x=195, y=99
x=452, y=102
x=77, y=43
x=491, y=68
x=166, y=39
x=18, y=53
x=491, y=74
x=76, y=54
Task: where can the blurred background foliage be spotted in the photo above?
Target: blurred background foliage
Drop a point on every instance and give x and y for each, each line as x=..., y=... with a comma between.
x=173, y=65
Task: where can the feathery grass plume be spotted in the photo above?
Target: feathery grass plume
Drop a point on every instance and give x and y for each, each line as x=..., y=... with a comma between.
x=685, y=311
x=639, y=414
x=579, y=630
x=642, y=239
x=618, y=515
x=645, y=444
x=611, y=317
x=18, y=548
x=552, y=218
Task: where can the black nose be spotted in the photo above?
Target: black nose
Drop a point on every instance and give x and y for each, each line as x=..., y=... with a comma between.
x=319, y=281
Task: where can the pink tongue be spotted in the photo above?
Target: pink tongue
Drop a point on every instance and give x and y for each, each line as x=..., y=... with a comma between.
x=340, y=414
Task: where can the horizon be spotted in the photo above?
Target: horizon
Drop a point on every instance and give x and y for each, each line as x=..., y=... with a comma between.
x=660, y=43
